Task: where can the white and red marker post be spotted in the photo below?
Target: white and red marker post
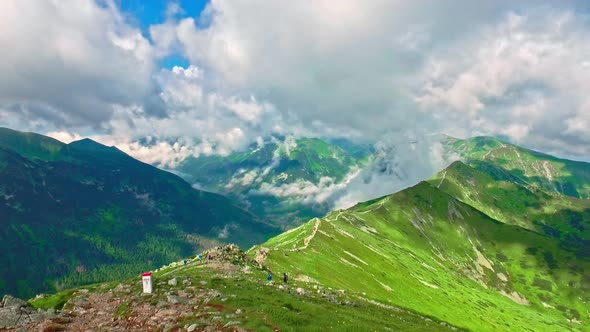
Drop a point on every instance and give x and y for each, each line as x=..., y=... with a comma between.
x=147, y=282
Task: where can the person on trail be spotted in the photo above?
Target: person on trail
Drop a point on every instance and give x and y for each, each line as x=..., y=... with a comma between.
x=285, y=277
x=269, y=277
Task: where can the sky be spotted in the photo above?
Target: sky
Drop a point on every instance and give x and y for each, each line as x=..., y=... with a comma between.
x=164, y=80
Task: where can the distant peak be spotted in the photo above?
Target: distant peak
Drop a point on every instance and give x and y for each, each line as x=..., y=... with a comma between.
x=86, y=142
x=91, y=145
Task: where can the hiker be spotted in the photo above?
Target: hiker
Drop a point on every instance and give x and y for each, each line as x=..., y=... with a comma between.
x=185, y=262
x=269, y=277
x=285, y=277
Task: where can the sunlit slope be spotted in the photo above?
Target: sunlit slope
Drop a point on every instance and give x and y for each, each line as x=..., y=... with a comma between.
x=496, y=192
x=426, y=251
x=564, y=176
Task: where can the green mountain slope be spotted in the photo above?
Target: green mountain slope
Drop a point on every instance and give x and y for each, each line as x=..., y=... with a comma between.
x=275, y=179
x=84, y=212
x=425, y=250
x=566, y=177
x=506, y=198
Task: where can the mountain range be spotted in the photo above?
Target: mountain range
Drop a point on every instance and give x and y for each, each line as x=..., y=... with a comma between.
x=496, y=241
x=283, y=179
x=84, y=212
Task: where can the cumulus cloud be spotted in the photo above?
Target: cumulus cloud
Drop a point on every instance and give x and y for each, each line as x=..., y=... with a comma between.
x=201, y=120
x=522, y=78
x=365, y=69
x=392, y=72
x=67, y=62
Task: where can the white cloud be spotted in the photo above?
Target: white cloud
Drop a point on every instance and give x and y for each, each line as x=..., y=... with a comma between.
x=523, y=78
x=401, y=160
x=373, y=70
x=66, y=62
x=307, y=192
x=64, y=136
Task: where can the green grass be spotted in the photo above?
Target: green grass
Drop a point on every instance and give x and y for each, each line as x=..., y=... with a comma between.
x=123, y=310
x=55, y=301
x=567, y=177
x=419, y=250
x=263, y=306
x=266, y=307
x=429, y=250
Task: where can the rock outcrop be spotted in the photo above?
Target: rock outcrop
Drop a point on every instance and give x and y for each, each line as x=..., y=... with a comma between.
x=15, y=312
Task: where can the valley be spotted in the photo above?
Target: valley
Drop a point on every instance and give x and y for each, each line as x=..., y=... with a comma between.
x=496, y=241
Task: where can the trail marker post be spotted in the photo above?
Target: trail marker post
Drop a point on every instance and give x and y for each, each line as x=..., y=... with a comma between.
x=147, y=282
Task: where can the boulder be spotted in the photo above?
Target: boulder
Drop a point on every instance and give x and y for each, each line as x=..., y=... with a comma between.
x=12, y=302
x=261, y=255
x=230, y=253
x=15, y=312
x=9, y=317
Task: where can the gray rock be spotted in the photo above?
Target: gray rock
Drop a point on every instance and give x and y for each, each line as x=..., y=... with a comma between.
x=173, y=282
x=300, y=291
x=173, y=299
x=192, y=327
x=14, y=311
x=12, y=302
x=10, y=317
x=15, y=315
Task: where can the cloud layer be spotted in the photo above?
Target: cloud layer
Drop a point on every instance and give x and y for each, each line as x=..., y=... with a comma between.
x=368, y=69
x=68, y=62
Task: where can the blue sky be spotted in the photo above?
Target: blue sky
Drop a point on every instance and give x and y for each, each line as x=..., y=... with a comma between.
x=146, y=13
x=154, y=11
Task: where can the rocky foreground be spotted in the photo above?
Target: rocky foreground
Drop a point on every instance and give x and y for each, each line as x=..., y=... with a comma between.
x=223, y=291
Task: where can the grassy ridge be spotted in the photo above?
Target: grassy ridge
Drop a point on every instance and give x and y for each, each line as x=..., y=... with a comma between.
x=567, y=177
x=426, y=251
x=494, y=191
x=263, y=306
